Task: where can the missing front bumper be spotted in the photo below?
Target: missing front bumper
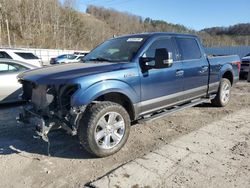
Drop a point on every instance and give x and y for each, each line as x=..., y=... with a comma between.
x=43, y=127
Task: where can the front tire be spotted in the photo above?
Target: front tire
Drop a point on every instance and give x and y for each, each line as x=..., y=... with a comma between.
x=224, y=93
x=104, y=128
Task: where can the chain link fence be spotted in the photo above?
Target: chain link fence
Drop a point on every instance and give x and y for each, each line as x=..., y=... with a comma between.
x=45, y=54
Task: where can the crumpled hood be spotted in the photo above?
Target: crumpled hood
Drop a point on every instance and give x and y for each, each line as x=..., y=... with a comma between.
x=61, y=74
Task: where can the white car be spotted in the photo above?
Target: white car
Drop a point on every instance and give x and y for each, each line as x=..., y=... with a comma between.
x=20, y=55
x=10, y=88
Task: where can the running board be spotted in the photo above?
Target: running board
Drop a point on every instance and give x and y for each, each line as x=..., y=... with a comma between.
x=165, y=112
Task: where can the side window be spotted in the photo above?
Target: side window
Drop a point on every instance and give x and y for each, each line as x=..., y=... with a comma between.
x=4, y=55
x=9, y=68
x=160, y=43
x=26, y=55
x=12, y=68
x=189, y=48
x=20, y=67
x=3, y=67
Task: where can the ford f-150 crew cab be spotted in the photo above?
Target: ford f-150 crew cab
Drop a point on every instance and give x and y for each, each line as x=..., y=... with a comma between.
x=126, y=79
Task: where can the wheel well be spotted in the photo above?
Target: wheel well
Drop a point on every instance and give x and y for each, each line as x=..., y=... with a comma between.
x=228, y=75
x=121, y=99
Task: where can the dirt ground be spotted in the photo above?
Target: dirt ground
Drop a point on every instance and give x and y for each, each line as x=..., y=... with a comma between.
x=24, y=161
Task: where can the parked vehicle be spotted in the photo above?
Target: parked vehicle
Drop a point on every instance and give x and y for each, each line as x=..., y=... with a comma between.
x=10, y=88
x=20, y=55
x=130, y=78
x=245, y=63
x=66, y=58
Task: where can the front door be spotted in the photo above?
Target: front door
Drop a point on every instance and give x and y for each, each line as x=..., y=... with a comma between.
x=161, y=87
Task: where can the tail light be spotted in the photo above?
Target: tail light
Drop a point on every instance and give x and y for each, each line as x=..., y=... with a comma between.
x=238, y=65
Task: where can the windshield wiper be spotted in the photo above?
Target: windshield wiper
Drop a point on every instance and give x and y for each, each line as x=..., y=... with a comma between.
x=100, y=59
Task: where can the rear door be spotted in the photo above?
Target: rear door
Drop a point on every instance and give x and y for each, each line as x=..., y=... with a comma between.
x=195, y=67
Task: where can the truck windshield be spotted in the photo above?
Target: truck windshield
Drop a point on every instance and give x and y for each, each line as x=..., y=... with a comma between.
x=116, y=50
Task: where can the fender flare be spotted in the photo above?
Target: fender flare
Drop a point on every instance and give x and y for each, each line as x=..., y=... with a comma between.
x=85, y=97
x=226, y=68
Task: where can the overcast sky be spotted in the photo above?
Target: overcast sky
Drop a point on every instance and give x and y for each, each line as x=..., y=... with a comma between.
x=194, y=14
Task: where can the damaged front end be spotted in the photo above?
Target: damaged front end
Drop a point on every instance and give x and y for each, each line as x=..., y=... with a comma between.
x=48, y=108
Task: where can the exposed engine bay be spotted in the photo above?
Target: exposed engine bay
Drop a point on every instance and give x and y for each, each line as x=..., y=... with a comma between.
x=48, y=107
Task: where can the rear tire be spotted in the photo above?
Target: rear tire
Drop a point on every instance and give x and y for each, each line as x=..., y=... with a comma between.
x=104, y=128
x=224, y=93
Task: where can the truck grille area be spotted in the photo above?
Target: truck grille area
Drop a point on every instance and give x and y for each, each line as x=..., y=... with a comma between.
x=49, y=98
x=41, y=98
x=27, y=90
x=66, y=93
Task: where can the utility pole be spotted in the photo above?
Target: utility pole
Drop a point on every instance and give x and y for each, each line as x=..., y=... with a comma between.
x=8, y=31
x=64, y=37
x=1, y=18
x=0, y=32
x=14, y=38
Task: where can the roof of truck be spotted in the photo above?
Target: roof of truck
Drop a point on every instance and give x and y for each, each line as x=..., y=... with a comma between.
x=158, y=34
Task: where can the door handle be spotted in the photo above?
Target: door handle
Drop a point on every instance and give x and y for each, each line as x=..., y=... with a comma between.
x=203, y=69
x=179, y=72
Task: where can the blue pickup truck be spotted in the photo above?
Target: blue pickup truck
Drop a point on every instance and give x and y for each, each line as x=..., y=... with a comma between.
x=127, y=79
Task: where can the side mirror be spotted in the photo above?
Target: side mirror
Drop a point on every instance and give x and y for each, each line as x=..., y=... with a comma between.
x=163, y=58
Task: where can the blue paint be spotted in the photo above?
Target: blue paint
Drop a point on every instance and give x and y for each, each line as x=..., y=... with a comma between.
x=96, y=78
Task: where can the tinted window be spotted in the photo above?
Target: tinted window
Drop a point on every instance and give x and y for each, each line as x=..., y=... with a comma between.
x=160, y=43
x=7, y=67
x=4, y=55
x=26, y=55
x=189, y=48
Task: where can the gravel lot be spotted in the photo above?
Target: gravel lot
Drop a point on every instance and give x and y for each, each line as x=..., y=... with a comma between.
x=24, y=161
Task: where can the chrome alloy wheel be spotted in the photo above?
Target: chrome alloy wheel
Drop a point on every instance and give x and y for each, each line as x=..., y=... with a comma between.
x=110, y=130
x=225, y=92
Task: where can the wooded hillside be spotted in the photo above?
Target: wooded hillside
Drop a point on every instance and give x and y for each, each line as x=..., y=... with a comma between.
x=48, y=24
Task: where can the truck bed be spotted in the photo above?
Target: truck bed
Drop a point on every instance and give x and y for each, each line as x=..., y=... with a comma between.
x=222, y=64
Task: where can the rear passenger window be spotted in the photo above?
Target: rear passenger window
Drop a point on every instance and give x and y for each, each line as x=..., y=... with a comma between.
x=9, y=68
x=189, y=48
x=26, y=55
x=4, y=55
x=5, y=67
